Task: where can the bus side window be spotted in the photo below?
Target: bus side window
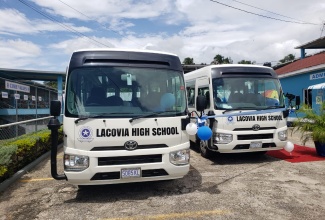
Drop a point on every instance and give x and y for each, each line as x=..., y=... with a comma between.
x=190, y=96
x=205, y=92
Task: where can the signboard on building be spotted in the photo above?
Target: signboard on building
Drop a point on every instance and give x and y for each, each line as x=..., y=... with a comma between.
x=17, y=96
x=4, y=95
x=317, y=75
x=17, y=87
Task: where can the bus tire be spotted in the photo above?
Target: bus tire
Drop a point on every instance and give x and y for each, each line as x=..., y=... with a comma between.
x=204, y=150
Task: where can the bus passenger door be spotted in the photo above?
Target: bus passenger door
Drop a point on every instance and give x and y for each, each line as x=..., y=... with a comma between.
x=202, y=88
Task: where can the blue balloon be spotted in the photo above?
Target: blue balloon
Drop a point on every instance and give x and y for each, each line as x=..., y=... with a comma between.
x=204, y=133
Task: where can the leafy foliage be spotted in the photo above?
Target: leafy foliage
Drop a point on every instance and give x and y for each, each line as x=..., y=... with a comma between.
x=188, y=61
x=311, y=125
x=246, y=62
x=287, y=58
x=53, y=84
x=219, y=59
x=3, y=171
x=18, y=152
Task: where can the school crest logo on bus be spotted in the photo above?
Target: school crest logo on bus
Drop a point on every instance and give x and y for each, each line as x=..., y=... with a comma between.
x=230, y=120
x=85, y=134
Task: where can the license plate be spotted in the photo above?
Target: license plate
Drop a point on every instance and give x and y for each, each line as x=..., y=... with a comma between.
x=255, y=145
x=130, y=173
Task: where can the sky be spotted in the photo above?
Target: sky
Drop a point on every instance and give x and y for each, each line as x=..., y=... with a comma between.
x=42, y=35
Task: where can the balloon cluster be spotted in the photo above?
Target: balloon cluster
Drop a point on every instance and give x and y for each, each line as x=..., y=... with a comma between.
x=199, y=128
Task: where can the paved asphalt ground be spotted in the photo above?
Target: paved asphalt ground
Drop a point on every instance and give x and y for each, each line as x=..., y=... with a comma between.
x=237, y=186
x=294, y=137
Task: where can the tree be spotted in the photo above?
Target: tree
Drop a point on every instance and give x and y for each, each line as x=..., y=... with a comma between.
x=52, y=84
x=246, y=62
x=219, y=59
x=188, y=61
x=227, y=60
x=288, y=58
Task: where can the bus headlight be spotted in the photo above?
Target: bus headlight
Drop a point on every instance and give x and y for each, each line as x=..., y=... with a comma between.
x=283, y=135
x=75, y=162
x=222, y=138
x=180, y=157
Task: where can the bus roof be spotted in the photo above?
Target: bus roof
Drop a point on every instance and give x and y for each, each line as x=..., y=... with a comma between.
x=235, y=65
x=124, y=50
x=228, y=70
x=124, y=57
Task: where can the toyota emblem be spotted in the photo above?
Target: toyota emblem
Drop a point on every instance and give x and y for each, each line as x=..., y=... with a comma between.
x=256, y=127
x=131, y=145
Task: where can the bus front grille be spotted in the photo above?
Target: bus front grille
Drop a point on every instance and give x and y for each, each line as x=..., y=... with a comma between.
x=108, y=161
x=254, y=136
x=246, y=146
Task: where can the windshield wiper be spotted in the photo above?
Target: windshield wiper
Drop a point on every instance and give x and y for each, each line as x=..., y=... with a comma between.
x=228, y=110
x=82, y=118
x=148, y=115
x=272, y=107
x=237, y=109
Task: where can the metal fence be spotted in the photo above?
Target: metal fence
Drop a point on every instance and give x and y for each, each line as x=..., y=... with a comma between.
x=16, y=129
x=37, y=96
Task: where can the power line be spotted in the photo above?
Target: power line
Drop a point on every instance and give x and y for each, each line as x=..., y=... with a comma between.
x=97, y=22
x=61, y=24
x=272, y=12
x=17, y=13
x=264, y=16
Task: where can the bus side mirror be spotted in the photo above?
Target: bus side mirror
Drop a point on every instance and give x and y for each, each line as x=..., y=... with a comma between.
x=285, y=113
x=200, y=103
x=297, y=100
x=55, y=108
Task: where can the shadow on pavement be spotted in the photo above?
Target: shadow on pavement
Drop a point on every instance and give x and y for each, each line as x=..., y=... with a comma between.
x=139, y=191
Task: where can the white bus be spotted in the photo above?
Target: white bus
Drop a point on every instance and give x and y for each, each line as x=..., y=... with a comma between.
x=125, y=118
x=232, y=93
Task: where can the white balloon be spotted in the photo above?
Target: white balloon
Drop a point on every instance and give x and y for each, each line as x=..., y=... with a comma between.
x=289, y=146
x=191, y=128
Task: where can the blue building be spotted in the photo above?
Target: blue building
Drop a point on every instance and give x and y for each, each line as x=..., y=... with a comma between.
x=305, y=77
x=21, y=98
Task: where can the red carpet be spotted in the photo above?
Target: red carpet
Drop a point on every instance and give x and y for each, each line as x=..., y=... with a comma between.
x=299, y=154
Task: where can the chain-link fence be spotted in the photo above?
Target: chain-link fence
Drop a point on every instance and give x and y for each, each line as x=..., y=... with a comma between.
x=24, y=107
x=24, y=100
x=16, y=129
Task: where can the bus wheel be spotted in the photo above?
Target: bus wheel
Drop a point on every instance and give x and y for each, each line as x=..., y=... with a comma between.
x=205, y=151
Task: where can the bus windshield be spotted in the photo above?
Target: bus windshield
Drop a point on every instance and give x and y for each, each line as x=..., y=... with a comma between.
x=124, y=92
x=247, y=93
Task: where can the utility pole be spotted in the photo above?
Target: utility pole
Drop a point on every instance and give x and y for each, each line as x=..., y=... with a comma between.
x=321, y=33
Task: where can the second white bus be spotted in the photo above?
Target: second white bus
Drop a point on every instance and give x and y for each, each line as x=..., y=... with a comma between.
x=233, y=93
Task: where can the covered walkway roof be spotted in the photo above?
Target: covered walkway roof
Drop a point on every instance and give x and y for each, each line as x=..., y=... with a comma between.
x=35, y=75
x=315, y=44
x=317, y=86
x=17, y=74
